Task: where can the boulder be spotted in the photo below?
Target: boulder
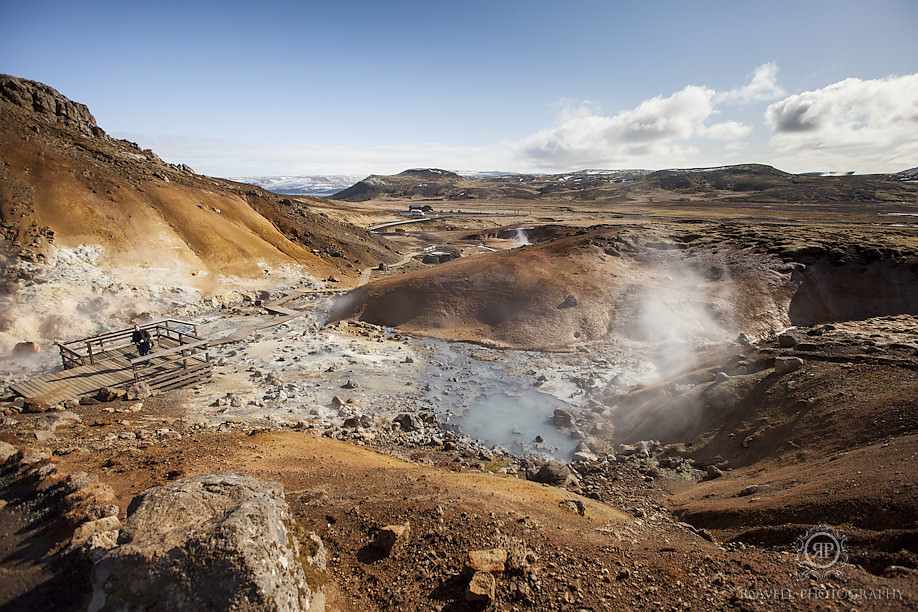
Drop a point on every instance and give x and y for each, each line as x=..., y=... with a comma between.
x=786, y=365
x=138, y=391
x=109, y=394
x=216, y=541
x=552, y=472
x=409, y=422
x=787, y=340
x=562, y=418
x=36, y=406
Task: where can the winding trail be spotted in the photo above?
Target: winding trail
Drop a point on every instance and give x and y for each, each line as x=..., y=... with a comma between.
x=365, y=274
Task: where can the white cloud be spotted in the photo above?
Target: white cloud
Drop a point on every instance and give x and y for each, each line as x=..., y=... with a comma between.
x=762, y=86
x=648, y=132
x=868, y=123
x=727, y=130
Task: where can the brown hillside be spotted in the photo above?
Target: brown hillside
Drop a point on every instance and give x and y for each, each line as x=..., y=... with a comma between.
x=582, y=288
x=66, y=183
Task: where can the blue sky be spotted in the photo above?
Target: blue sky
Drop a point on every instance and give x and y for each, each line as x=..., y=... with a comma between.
x=281, y=88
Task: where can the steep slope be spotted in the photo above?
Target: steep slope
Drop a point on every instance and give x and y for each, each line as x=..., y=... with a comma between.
x=76, y=203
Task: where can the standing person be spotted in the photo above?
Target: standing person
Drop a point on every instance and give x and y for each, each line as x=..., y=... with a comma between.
x=143, y=340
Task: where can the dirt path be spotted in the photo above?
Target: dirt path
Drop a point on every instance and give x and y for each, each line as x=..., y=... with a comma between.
x=365, y=274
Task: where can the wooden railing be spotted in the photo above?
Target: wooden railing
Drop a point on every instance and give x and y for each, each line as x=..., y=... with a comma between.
x=175, y=367
x=86, y=351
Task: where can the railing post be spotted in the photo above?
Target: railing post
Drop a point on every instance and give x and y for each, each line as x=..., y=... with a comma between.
x=89, y=351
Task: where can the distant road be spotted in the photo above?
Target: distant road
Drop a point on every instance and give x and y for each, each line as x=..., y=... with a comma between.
x=376, y=228
x=434, y=216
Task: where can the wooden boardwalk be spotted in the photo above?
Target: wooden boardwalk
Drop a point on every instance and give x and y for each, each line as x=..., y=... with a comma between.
x=112, y=369
x=179, y=358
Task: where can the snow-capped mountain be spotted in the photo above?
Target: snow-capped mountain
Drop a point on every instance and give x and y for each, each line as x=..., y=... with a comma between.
x=319, y=185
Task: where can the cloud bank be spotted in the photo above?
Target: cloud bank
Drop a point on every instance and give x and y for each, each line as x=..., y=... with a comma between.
x=872, y=123
x=662, y=131
x=854, y=124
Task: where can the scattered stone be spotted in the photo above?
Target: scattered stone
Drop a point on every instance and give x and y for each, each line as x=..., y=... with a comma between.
x=90, y=503
x=42, y=435
x=714, y=472
x=574, y=505
x=351, y=422
x=138, y=391
x=389, y=537
x=721, y=376
x=408, y=422
x=88, y=401
x=350, y=385
x=786, y=365
x=490, y=560
x=337, y=402
x=7, y=450
x=745, y=339
x=216, y=541
x=583, y=457
x=28, y=457
x=562, y=418
x=58, y=419
x=79, y=480
x=93, y=538
x=35, y=406
x=109, y=394
x=552, y=472
x=569, y=302
x=787, y=340
x=481, y=587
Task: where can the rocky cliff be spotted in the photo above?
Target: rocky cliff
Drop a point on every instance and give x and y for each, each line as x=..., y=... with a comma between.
x=48, y=103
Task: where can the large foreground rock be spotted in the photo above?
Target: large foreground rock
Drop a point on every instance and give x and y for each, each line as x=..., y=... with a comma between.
x=217, y=541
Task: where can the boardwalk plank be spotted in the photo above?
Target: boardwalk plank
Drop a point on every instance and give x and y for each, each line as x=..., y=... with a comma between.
x=111, y=369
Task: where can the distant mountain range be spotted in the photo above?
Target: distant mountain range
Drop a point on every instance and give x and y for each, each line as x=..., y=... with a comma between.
x=739, y=183
x=319, y=185
x=743, y=182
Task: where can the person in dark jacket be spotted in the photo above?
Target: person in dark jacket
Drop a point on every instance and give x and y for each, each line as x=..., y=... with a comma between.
x=142, y=339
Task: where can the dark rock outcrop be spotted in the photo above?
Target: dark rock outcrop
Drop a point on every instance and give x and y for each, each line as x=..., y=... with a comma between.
x=49, y=103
